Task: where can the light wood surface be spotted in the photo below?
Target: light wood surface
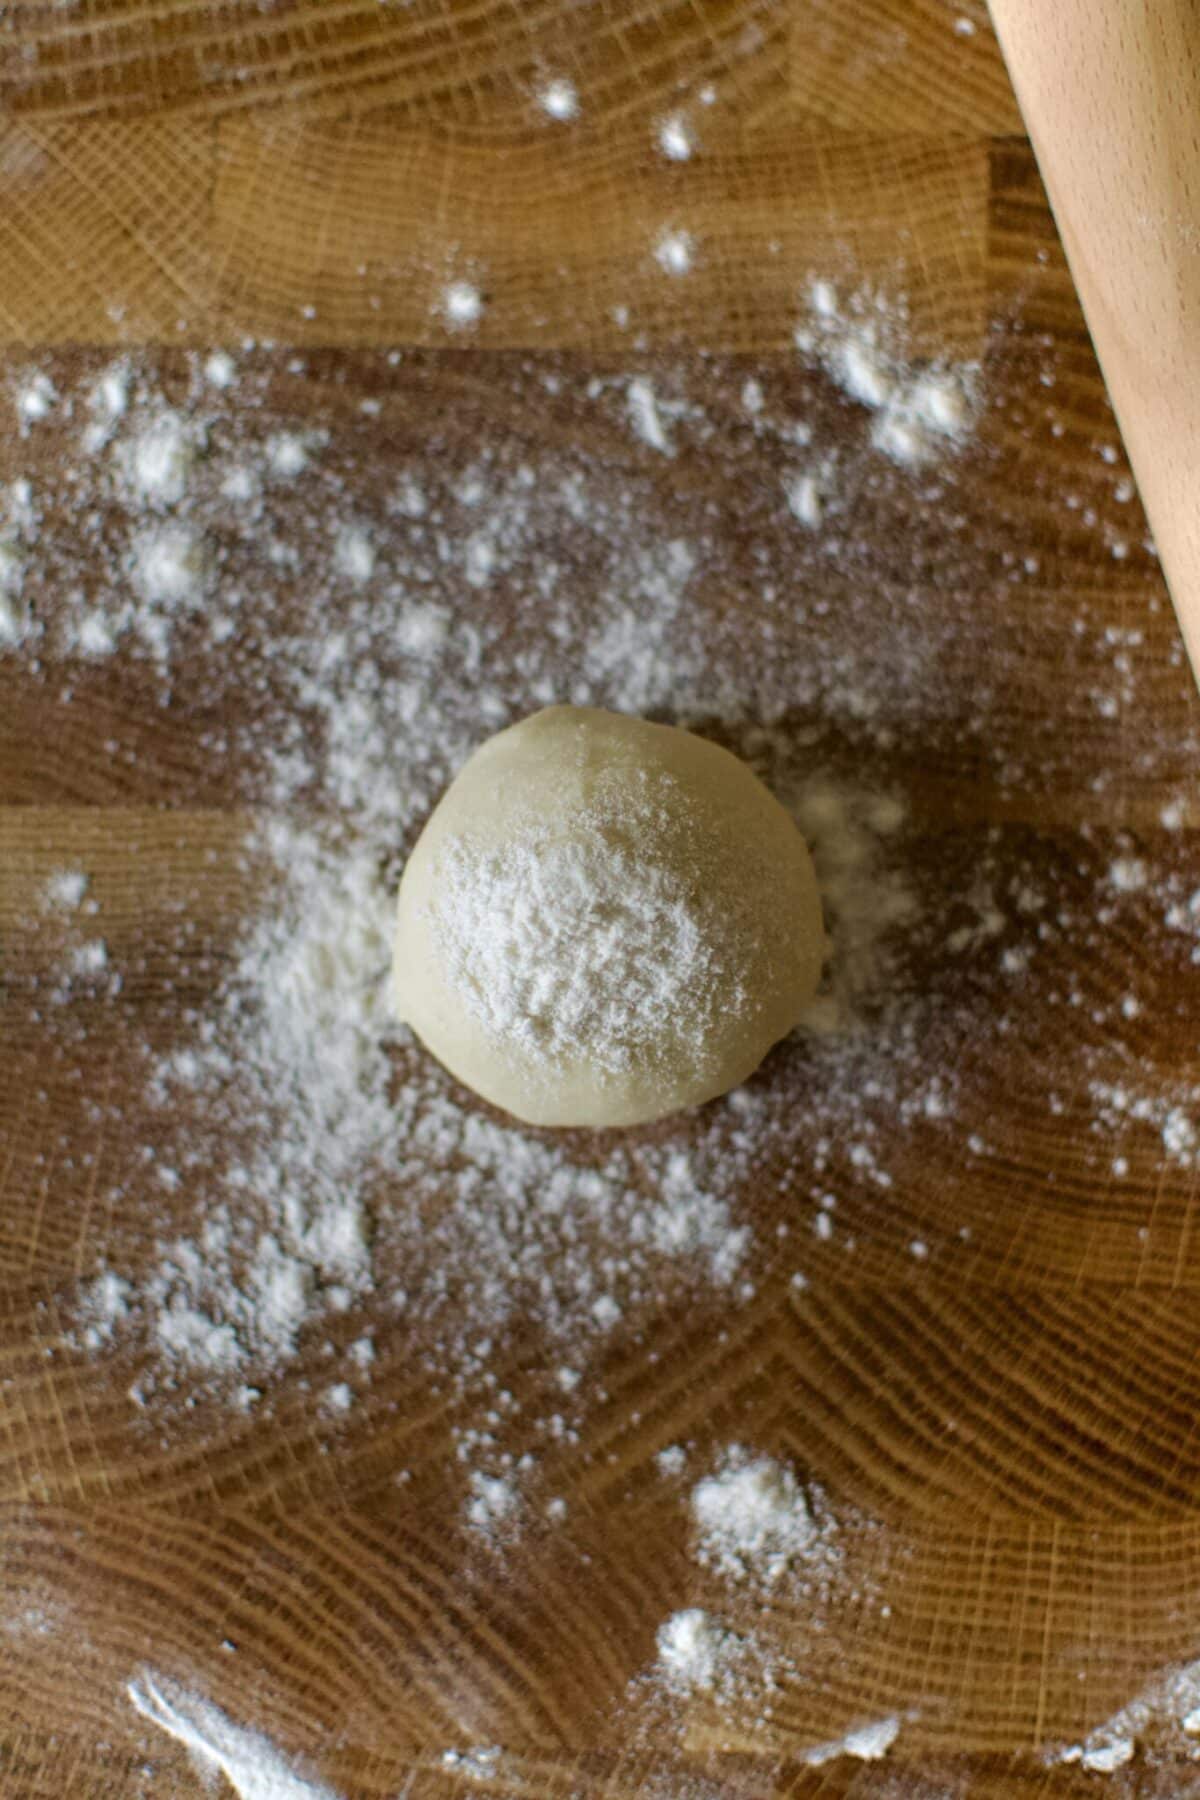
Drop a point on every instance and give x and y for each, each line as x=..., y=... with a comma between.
x=1009, y=1429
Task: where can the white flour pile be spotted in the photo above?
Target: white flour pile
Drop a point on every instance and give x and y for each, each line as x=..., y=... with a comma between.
x=1166, y=1714
x=695, y=1650
x=753, y=1522
x=702, y=1659
x=778, y=1553
x=559, y=99
x=676, y=139
x=251, y=1765
x=66, y=889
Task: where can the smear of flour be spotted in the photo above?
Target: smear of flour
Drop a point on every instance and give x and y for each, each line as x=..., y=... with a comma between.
x=251, y=1765
x=647, y=416
x=867, y=1742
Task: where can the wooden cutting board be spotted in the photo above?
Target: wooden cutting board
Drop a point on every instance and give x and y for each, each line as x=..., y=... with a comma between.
x=1015, y=1416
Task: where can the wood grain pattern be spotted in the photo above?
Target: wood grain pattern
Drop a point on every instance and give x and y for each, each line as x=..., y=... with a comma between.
x=478, y=67
x=333, y=231
x=1007, y=1431
x=560, y=236
x=907, y=66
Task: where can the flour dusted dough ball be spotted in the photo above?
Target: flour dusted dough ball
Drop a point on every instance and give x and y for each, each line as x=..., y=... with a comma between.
x=605, y=920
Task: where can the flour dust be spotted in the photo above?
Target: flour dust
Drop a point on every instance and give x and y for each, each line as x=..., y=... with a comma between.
x=333, y=619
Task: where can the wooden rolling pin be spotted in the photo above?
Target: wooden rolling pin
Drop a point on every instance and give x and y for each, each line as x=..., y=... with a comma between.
x=1110, y=90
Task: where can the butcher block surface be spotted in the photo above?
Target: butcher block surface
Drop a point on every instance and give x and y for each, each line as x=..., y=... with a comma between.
x=1003, y=1418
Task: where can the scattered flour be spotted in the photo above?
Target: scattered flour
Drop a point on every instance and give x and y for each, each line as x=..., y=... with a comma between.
x=917, y=414
x=1127, y=875
x=695, y=1650
x=66, y=889
x=310, y=1053
x=107, y=402
x=288, y=453
x=354, y=554
x=478, y=1764
x=675, y=139
x=12, y=566
x=251, y=1765
x=158, y=461
x=867, y=903
x=702, y=1657
x=290, y=1112
x=752, y=1519
x=301, y=1046
x=604, y=1309
x=90, y=958
x=1168, y=1706
x=13, y=620
x=1171, y=1113
x=39, y=1621
x=674, y=251
x=36, y=398
x=104, y=1308
x=559, y=99
x=804, y=499
x=867, y=1742
x=94, y=636
x=170, y=573
x=493, y=1503
x=306, y=1045
x=15, y=543
x=220, y=370
x=646, y=416
x=461, y=305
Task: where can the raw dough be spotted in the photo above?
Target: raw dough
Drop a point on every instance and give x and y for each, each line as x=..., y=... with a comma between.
x=605, y=920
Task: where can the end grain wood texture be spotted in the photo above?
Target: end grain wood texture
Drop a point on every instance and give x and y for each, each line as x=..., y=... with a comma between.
x=1013, y=1426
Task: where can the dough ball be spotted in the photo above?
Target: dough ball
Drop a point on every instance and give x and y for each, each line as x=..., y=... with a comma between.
x=605, y=920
